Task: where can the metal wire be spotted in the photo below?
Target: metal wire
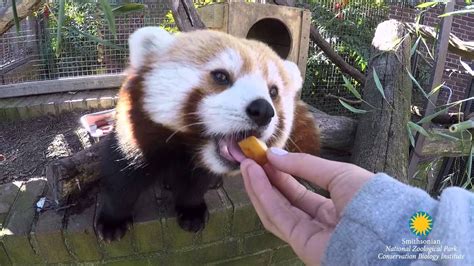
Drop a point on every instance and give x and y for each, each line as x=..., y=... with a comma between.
x=29, y=55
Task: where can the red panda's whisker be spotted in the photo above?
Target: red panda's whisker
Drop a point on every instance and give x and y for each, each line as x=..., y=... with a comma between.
x=179, y=129
x=289, y=138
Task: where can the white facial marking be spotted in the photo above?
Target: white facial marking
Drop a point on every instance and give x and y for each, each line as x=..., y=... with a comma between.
x=295, y=75
x=226, y=112
x=166, y=90
x=211, y=159
x=274, y=75
x=229, y=59
x=146, y=41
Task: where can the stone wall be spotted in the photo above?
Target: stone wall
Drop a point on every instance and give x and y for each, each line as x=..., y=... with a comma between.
x=233, y=235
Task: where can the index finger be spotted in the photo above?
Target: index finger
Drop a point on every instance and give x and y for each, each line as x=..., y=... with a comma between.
x=321, y=172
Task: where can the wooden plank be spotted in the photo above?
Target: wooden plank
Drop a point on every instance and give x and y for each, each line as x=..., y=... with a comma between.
x=61, y=85
x=62, y=102
x=107, y=98
x=21, y=107
x=77, y=101
x=35, y=108
x=92, y=99
x=304, y=42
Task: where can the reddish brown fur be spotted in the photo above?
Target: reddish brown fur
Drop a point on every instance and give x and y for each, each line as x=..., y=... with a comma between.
x=304, y=136
x=143, y=134
x=138, y=134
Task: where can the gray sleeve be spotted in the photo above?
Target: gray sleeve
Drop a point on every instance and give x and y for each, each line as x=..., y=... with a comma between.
x=374, y=228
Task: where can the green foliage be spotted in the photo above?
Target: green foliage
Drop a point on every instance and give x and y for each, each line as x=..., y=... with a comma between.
x=109, y=15
x=378, y=84
x=15, y=16
x=350, y=27
x=74, y=15
x=59, y=26
x=128, y=7
x=169, y=23
x=351, y=108
x=351, y=88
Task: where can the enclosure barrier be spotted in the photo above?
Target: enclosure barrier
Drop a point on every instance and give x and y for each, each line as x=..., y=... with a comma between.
x=233, y=235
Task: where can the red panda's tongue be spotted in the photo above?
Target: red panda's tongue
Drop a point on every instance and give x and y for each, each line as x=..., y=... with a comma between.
x=235, y=151
x=229, y=149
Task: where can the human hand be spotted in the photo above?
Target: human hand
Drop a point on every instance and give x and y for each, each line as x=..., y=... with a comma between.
x=303, y=219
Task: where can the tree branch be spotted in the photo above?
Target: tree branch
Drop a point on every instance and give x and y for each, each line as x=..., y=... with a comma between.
x=186, y=16
x=327, y=49
x=23, y=7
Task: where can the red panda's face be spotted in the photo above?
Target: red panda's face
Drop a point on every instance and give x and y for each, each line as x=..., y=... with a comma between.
x=217, y=86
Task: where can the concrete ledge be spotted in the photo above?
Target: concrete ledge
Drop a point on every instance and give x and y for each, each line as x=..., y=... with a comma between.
x=233, y=235
x=61, y=85
x=56, y=103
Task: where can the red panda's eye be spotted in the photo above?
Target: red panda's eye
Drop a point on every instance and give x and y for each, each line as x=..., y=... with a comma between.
x=221, y=77
x=273, y=91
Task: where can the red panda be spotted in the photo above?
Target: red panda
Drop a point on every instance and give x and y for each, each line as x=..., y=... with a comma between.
x=187, y=100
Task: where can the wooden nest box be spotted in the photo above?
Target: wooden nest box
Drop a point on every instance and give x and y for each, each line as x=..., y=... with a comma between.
x=285, y=29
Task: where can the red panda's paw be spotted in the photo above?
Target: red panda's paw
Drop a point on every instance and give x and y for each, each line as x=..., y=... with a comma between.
x=109, y=229
x=192, y=218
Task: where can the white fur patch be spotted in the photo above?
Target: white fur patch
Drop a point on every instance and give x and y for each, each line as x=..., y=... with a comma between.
x=146, y=41
x=229, y=59
x=295, y=75
x=226, y=112
x=166, y=89
x=274, y=75
x=211, y=160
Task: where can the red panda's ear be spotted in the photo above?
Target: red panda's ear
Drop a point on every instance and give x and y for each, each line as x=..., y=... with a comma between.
x=147, y=41
x=295, y=74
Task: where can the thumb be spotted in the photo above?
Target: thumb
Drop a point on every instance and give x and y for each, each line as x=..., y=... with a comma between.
x=321, y=172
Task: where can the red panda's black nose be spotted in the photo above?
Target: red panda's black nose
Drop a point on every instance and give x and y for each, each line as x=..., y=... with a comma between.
x=260, y=111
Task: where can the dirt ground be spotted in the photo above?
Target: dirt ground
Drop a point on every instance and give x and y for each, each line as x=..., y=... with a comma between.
x=27, y=146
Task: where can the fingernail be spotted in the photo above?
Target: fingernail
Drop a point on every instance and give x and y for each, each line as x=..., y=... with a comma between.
x=278, y=151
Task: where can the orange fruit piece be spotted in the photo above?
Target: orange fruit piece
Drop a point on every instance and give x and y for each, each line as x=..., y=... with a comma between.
x=254, y=149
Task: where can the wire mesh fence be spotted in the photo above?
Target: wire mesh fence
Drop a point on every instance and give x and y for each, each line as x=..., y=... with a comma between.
x=30, y=54
x=349, y=29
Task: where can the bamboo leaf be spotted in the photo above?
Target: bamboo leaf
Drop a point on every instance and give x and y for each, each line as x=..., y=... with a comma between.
x=418, y=128
x=352, y=109
x=410, y=136
x=428, y=118
x=416, y=83
x=427, y=4
x=96, y=39
x=61, y=13
x=427, y=48
x=442, y=111
x=467, y=67
x=469, y=170
x=15, y=16
x=413, y=48
x=436, y=89
x=446, y=136
x=378, y=84
x=109, y=15
x=467, y=10
x=130, y=7
x=351, y=88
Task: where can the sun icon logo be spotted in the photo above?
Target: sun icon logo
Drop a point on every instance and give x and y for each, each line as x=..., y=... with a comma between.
x=421, y=223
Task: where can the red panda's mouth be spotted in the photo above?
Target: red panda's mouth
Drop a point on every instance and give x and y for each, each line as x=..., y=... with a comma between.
x=228, y=148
